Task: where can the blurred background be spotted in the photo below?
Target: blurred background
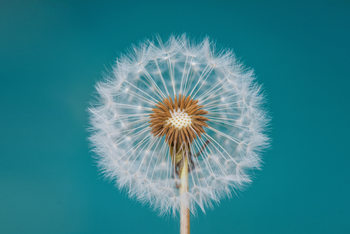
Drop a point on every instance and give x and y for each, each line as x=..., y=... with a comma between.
x=53, y=52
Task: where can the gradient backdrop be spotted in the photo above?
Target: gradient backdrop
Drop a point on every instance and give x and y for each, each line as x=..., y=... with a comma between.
x=53, y=52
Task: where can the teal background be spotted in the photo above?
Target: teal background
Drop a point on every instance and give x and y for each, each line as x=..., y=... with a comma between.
x=53, y=52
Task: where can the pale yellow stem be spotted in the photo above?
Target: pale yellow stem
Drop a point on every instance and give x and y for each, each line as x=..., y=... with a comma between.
x=184, y=209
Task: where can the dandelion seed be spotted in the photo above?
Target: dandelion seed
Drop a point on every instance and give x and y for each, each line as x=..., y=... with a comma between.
x=178, y=126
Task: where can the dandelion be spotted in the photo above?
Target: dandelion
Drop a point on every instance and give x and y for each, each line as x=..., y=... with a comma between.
x=178, y=125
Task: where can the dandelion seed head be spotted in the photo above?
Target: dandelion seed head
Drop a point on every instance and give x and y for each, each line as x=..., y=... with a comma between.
x=165, y=96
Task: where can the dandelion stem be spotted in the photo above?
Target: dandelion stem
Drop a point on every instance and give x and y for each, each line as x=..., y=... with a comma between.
x=184, y=209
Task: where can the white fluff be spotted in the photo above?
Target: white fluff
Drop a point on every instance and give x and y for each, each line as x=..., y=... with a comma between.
x=140, y=162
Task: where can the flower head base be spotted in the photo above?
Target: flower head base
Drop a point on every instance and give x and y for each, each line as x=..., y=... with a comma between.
x=177, y=104
x=180, y=121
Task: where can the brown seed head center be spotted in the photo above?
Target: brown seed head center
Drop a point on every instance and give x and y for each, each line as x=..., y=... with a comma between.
x=180, y=120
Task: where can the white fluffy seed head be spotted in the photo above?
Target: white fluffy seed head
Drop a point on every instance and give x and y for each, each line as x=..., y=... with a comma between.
x=140, y=162
x=179, y=119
